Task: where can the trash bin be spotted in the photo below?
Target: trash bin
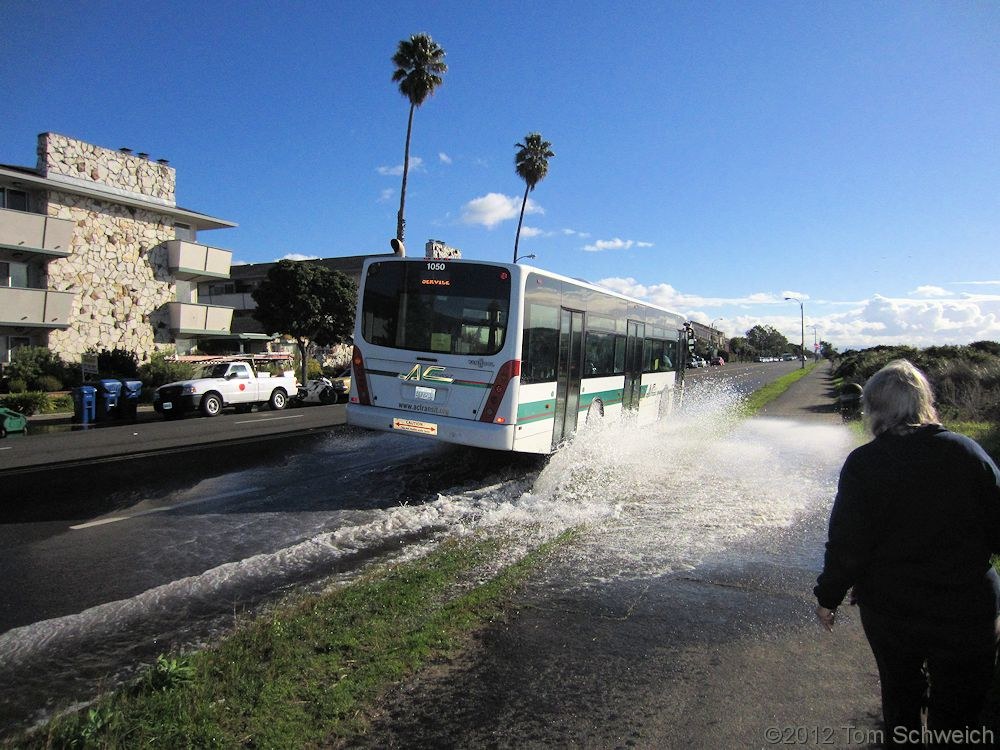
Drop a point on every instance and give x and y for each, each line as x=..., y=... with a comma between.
x=128, y=402
x=108, y=393
x=84, y=404
x=11, y=421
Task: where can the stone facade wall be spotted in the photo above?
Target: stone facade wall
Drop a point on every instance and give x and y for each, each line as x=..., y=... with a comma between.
x=118, y=267
x=60, y=156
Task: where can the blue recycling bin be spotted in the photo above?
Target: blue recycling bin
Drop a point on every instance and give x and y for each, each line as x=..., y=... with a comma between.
x=108, y=394
x=84, y=404
x=128, y=402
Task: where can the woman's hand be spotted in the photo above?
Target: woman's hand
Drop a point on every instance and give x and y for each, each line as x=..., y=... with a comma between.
x=826, y=617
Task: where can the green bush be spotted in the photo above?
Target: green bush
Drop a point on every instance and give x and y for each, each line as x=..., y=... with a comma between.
x=49, y=383
x=118, y=363
x=17, y=385
x=966, y=379
x=28, y=403
x=159, y=370
x=31, y=363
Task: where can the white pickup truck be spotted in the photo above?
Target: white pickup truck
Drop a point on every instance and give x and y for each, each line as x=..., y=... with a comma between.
x=224, y=384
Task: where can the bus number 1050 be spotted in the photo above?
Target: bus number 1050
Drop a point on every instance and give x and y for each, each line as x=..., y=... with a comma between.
x=435, y=266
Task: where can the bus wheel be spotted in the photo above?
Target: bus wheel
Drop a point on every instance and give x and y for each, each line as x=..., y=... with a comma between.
x=595, y=411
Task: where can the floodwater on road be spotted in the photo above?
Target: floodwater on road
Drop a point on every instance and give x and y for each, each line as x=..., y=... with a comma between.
x=661, y=498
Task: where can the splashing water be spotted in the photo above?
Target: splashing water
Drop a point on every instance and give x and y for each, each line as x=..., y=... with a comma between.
x=652, y=499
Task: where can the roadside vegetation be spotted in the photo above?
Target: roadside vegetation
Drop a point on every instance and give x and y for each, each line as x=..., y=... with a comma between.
x=966, y=382
x=306, y=672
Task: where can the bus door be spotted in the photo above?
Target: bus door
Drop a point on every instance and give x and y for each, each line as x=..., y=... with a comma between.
x=568, y=374
x=633, y=364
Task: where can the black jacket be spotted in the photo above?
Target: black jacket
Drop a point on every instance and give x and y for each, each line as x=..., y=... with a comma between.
x=915, y=522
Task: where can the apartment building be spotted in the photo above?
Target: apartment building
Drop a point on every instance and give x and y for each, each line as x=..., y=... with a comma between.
x=96, y=254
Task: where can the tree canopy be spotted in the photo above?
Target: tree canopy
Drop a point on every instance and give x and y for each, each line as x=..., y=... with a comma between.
x=531, y=162
x=767, y=341
x=311, y=303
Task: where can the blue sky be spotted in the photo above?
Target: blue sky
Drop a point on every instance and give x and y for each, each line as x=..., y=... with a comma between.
x=713, y=157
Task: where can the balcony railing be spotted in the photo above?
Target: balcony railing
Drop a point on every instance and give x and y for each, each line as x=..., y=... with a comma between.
x=190, y=319
x=190, y=261
x=35, y=308
x=35, y=234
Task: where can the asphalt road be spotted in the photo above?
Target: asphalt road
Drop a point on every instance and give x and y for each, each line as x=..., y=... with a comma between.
x=52, y=443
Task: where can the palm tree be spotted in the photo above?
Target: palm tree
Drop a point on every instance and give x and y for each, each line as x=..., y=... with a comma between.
x=419, y=65
x=532, y=163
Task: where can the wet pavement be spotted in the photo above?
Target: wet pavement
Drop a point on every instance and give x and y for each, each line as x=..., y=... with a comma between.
x=603, y=650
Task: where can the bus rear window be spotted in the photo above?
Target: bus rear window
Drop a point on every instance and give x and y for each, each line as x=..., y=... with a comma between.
x=433, y=306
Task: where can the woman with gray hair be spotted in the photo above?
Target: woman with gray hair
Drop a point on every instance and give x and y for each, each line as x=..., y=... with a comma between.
x=912, y=531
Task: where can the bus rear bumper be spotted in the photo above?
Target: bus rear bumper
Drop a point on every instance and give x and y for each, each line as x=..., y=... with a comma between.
x=433, y=426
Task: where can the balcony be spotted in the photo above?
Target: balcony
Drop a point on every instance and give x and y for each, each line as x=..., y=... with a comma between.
x=190, y=261
x=189, y=319
x=35, y=234
x=34, y=308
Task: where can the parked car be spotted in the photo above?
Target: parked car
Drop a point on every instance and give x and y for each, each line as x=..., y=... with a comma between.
x=226, y=383
x=717, y=361
x=696, y=361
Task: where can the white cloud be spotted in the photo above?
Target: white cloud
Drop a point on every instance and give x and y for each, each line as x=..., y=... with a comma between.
x=444, y=158
x=296, y=256
x=574, y=233
x=386, y=195
x=527, y=231
x=416, y=163
x=913, y=320
x=930, y=291
x=975, y=283
x=615, y=244
x=494, y=208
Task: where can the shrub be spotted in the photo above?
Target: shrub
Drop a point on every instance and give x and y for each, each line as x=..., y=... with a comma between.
x=27, y=403
x=31, y=363
x=49, y=383
x=17, y=385
x=966, y=379
x=159, y=370
x=118, y=362
x=314, y=369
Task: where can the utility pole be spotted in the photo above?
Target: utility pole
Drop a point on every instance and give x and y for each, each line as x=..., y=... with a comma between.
x=802, y=330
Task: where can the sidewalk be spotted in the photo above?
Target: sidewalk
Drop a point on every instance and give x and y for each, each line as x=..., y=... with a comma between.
x=723, y=656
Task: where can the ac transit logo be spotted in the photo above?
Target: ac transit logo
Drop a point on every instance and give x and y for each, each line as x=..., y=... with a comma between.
x=481, y=363
x=430, y=372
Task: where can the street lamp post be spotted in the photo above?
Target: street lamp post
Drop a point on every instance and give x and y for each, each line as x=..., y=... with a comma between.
x=802, y=329
x=815, y=346
x=718, y=344
x=519, y=257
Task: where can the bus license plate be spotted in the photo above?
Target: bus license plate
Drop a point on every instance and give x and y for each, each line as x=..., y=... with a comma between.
x=412, y=425
x=424, y=394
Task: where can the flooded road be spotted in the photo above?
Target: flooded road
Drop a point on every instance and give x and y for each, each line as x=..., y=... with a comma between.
x=170, y=563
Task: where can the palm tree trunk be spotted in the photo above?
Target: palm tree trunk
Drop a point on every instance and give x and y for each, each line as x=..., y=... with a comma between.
x=517, y=237
x=400, y=220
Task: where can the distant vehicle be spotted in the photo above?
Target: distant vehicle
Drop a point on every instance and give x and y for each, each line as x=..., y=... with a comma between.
x=228, y=383
x=787, y=357
x=326, y=390
x=717, y=361
x=696, y=361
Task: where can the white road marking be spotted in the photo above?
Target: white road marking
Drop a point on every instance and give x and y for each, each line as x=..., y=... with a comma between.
x=270, y=419
x=115, y=519
x=7, y=448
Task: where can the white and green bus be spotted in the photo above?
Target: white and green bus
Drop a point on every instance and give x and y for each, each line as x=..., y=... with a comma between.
x=504, y=356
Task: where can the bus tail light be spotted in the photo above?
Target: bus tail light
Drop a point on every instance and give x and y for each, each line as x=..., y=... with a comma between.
x=505, y=374
x=360, y=378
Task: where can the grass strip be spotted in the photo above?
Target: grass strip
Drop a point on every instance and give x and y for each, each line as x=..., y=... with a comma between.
x=305, y=673
x=768, y=393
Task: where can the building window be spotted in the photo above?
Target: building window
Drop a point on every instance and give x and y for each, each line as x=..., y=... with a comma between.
x=14, y=274
x=16, y=200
